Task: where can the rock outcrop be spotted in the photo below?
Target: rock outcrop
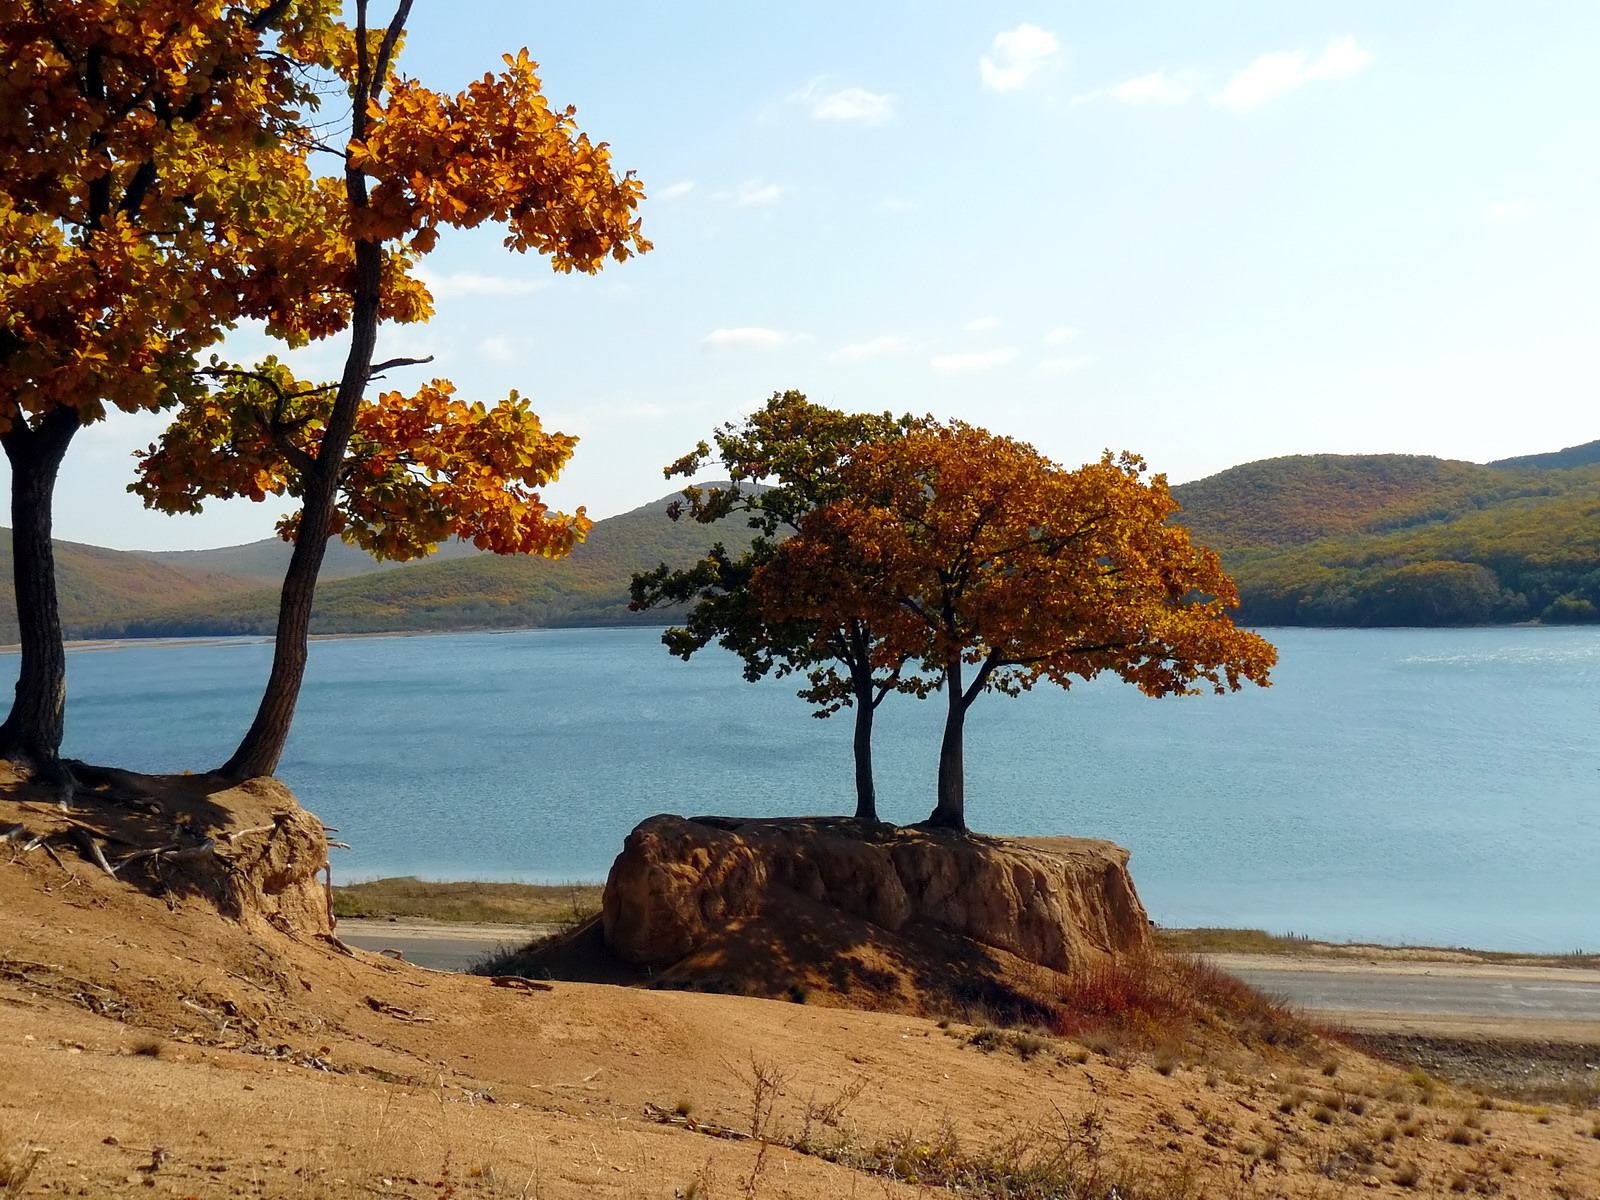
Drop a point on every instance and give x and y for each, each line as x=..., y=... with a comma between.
x=681, y=884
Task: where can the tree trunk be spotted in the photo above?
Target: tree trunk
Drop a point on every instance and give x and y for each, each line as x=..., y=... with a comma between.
x=31, y=734
x=866, y=792
x=951, y=812
x=262, y=746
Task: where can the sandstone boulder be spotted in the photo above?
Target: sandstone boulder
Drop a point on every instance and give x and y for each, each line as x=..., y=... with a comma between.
x=680, y=884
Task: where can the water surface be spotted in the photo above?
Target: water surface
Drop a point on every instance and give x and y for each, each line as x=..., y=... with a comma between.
x=1398, y=785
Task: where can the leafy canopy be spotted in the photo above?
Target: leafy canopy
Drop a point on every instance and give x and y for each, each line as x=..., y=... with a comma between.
x=422, y=467
x=783, y=462
x=145, y=150
x=1019, y=568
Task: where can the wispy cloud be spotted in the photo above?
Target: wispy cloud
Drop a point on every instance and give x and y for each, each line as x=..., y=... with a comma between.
x=747, y=337
x=1063, y=366
x=1016, y=56
x=676, y=191
x=1274, y=74
x=1157, y=89
x=752, y=193
x=972, y=364
x=982, y=324
x=878, y=347
x=467, y=283
x=1061, y=335
x=896, y=205
x=851, y=105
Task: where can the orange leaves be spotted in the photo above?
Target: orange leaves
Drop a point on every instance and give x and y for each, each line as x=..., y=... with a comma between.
x=420, y=468
x=497, y=151
x=134, y=145
x=962, y=547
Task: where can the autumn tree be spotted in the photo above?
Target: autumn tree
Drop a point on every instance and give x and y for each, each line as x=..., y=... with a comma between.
x=1017, y=571
x=396, y=474
x=782, y=462
x=141, y=146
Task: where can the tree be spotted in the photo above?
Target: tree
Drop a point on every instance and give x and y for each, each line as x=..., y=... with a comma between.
x=141, y=146
x=414, y=161
x=1017, y=570
x=783, y=462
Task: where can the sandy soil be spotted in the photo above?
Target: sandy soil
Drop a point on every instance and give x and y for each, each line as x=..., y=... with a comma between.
x=150, y=1046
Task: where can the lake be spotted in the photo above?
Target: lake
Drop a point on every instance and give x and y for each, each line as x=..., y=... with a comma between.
x=1439, y=786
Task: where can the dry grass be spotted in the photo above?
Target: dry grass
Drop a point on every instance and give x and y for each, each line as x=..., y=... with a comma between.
x=477, y=903
x=17, y=1162
x=1161, y=999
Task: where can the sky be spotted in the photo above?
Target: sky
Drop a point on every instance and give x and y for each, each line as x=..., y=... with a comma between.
x=1207, y=233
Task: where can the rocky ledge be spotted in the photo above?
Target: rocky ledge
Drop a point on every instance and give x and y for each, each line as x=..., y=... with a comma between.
x=680, y=884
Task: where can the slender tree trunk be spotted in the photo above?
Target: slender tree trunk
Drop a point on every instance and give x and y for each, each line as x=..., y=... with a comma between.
x=866, y=791
x=262, y=746
x=31, y=734
x=951, y=812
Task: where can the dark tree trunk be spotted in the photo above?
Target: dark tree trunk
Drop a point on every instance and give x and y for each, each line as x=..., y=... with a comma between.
x=866, y=791
x=262, y=746
x=31, y=734
x=951, y=810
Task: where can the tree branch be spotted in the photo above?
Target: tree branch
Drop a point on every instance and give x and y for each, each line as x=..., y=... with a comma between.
x=374, y=371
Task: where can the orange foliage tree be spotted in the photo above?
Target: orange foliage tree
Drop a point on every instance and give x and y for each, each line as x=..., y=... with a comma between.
x=395, y=474
x=141, y=151
x=783, y=461
x=1016, y=570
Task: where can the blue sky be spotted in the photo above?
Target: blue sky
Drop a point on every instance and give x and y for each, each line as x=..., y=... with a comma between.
x=1207, y=233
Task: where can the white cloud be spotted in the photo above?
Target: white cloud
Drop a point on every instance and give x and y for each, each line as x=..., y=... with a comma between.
x=878, y=347
x=498, y=349
x=747, y=337
x=753, y=193
x=1061, y=335
x=1016, y=57
x=1511, y=210
x=466, y=283
x=895, y=205
x=1274, y=74
x=676, y=191
x=1157, y=88
x=982, y=324
x=852, y=105
x=971, y=364
x=1063, y=366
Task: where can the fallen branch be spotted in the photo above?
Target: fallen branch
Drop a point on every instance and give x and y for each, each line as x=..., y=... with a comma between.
x=89, y=846
x=517, y=981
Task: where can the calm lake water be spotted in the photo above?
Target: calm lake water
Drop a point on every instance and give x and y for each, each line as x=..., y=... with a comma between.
x=1399, y=785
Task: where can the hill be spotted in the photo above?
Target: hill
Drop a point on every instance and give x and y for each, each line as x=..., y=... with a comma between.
x=266, y=561
x=99, y=585
x=459, y=590
x=1572, y=456
x=1404, y=540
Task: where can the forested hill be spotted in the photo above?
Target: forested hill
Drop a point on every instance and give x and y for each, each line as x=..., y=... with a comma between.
x=1406, y=540
x=461, y=590
x=1384, y=539
x=96, y=584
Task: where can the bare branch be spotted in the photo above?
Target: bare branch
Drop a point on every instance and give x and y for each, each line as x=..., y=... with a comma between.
x=374, y=371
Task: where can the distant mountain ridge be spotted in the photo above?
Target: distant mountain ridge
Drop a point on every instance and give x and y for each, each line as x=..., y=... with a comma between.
x=1318, y=539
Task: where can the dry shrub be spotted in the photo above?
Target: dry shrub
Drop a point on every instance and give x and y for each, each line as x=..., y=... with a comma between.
x=17, y=1162
x=1158, y=997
